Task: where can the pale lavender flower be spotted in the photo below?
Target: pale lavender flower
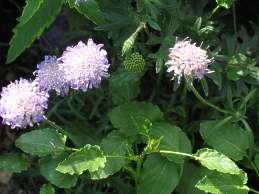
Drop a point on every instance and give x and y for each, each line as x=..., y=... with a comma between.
x=78, y=1
x=187, y=59
x=22, y=104
x=50, y=77
x=84, y=65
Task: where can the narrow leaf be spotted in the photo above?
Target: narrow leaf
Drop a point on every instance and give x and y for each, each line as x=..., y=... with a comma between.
x=25, y=34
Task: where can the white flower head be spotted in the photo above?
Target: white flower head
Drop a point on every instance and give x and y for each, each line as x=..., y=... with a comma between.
x=22, y=104
x=50, y=77
x=188, y=59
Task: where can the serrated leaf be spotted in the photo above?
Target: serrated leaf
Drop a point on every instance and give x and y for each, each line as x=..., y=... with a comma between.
x=124, y=116
x=89, y=158
x=31, y=7
x=48, y=170
x=173, y=139
x=214, y=160
x=90, y=9
x=47, y=189
x=112, y=145
x=158, y=176
x=227, y=138
x=124, y=86
x=13, y=163
x=218, y=183
x=42, y=142
x=25, y=34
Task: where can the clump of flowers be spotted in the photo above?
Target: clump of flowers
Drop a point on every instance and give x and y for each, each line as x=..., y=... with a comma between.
x=135, y=62
x=187, y=59
x=22, y=103
x=84, y=65
x=50, y=77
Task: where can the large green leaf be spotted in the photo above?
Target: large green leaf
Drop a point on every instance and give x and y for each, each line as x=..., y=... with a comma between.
x=32, y=26
x=124, y=86
x=227, y=138
x=218, y=183
x=42, y=142
x=48, y=170
x=47, y=189
x=13, y=162
x=158, y=176
x=190, y=177
x=173, y=139
x=124, y=117
x=214, y=160
x=113, y=145
x=90, y=9
x=89, y=158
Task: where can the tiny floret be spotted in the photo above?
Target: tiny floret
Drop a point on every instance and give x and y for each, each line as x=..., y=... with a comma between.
x=187, y=59
x=50, y=77
x=22, y=104
x=84, y=65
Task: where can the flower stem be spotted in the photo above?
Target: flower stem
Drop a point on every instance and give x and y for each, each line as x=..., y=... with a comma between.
x=199, y=97
x=253, y=190
x=54, y=125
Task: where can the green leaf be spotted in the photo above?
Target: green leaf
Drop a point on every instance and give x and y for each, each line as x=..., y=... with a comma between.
x=31, y=7
x=25, y=34
x=112, y=145
x=89, y=158
x=173, y=139
x=47, y=189
x=47, y=166
x=124, y=86
x=227, y=138
x=124, y=116
x=153, y=24
x=214, y=160
x=90, y=9
x=42, y=142
x=218, y=183
x=13, y=163
x=158, y=176
x=225, y=3
x=190, y=177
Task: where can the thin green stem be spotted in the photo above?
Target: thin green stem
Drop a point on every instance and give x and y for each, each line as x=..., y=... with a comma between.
x=139, y=166
x=214, y=10
x=253, y=190
x=199, y=97
x=54, y=125
x=124, y=157
x=234, y=19
x=176, y=153
x=255, y=168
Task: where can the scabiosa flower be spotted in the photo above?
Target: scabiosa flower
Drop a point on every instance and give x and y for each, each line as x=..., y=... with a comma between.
x=22, y=104
x=187, y=59
x=50, y=77
x=84, y=65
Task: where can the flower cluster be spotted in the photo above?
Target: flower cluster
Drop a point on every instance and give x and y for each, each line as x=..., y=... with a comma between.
x=22, y=104
x=84, y=66
x=187, y=59
x=81, y=67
